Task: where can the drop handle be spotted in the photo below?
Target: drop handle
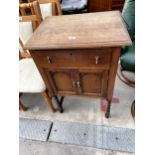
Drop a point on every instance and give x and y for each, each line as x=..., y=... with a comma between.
x=49, y=59
x=78, y=84
x=97, y=60
x=74, y=84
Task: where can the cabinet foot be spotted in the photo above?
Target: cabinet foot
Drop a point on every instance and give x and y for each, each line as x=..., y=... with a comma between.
x=59, y=103
x=107, y=114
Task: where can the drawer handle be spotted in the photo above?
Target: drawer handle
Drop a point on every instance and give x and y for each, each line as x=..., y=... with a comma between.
x=97, y=59
x=49, y=59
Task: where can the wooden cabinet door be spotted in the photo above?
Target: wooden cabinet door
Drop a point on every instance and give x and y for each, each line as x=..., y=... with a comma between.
x=93, y=82
x=61, y=81
x=78, y=82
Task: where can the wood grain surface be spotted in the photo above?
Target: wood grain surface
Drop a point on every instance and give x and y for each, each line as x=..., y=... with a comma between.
x=90, y=30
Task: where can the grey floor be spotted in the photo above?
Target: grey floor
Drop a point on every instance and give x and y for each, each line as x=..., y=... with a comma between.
x=77, y=109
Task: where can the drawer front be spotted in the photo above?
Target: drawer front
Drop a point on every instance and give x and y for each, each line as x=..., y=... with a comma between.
x=74, y=58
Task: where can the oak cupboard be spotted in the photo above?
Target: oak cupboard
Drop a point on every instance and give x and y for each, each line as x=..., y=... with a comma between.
x=79, y=54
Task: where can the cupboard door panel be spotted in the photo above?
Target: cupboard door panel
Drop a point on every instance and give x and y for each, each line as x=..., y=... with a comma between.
x=93, y=82
x=61, y=81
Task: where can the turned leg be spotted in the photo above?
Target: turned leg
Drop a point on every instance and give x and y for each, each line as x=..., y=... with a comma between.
x=107, y=114
x=22, y=106
x=48, y=100
x=59, y=103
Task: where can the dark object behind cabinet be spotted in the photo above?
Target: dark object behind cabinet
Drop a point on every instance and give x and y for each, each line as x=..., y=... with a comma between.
x=117, y=4
x=99, y=5
x=105, y=5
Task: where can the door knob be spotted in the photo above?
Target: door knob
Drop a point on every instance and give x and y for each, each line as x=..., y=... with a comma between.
x=97, y=59
x=49, y=59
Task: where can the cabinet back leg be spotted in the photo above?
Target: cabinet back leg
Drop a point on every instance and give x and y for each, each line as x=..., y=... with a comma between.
x=107, y=114
x=48, y=100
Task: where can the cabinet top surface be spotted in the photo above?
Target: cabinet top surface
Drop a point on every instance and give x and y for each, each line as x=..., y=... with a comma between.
x=89, y=30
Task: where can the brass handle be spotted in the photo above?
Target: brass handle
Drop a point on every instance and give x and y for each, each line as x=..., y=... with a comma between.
x=49, y=59
x=74, y=84
x=97, y=59
x=78, y=84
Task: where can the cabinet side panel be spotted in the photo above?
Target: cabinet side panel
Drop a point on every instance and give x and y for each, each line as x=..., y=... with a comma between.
x=42, y=72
